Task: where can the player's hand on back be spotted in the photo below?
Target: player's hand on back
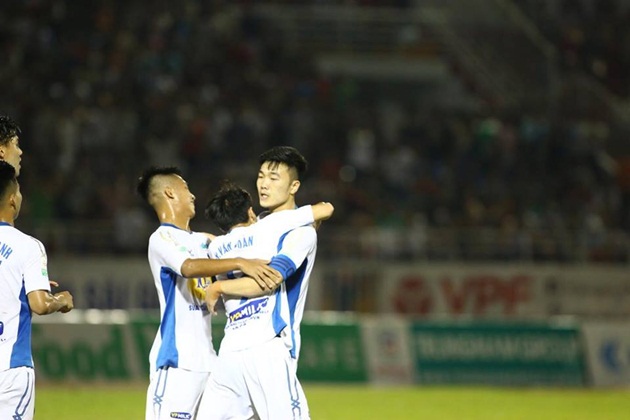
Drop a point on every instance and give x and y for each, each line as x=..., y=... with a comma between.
x=212, y=296
x=266, y=277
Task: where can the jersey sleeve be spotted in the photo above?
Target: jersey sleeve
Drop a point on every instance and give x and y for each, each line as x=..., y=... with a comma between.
x=291, y=219
x=287, y=220
x=36, y=268
x=169, y=252
x=293, y=249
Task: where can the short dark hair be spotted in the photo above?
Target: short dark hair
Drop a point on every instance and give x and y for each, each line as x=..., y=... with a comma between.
x=287, y=155
x=8, y=129
x=7, y=177
x=229, y=206
x=144, y=182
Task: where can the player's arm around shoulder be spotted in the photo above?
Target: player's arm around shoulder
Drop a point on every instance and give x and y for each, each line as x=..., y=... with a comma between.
x=242, y=287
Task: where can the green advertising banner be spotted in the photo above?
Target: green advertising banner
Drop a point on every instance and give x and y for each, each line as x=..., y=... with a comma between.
x=497, y=354
x=108, y=351
x=332, y=353
x=87, y=352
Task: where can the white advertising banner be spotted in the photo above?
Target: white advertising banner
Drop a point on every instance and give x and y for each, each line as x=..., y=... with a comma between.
x=105, y=283
x=608, y=353
x=505, y=290
x=458, y=290
x=388, y=349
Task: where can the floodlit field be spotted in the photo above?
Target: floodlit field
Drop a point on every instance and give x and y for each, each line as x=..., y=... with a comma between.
x=106, y=402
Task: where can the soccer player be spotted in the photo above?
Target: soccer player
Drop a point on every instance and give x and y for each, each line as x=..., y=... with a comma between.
x=24, y=288
x=182, y=355
x=9, y=143
x=256, y=376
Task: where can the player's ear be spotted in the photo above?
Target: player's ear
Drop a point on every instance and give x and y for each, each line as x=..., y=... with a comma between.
x=251, y=215
x=295, y=186
x=168, y=191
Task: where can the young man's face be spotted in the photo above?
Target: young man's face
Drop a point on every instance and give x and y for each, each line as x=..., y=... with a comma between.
x=11, y=153
x=182, y=194
x=276, y=185
x=18, y=201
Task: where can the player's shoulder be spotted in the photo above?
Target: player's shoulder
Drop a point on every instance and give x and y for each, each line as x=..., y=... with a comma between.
x=304, y=233
x=219, y=241
x=24, y=240
x=165, y=235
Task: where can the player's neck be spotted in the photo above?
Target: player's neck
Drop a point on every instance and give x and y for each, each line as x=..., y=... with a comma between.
x=6, y=217
x=172, y=218
x=238, y=225
x=289, y=205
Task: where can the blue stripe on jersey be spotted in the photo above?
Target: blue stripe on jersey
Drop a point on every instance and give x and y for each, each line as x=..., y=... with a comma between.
x=168, y=355
x=278, y=323
x=21, y=354
x=285, y=266
x=293, y=285
x=23, y=405
x=293, y=280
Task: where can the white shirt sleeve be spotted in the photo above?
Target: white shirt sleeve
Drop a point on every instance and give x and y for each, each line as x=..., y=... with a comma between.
x=287, y=220
x=36, y=268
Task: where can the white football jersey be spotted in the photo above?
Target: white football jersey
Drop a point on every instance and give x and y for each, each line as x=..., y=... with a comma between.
x=256, y=320
x=23, y=269
x=184, y=339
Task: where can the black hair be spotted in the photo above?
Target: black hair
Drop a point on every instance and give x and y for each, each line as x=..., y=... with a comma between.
x=287, y=155
x=229, y=206
x=144, y=182
x=7, y=177
x=8, y=129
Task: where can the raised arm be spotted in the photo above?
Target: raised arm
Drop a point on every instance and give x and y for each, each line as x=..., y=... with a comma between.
x=42, y=302
x=322, y=211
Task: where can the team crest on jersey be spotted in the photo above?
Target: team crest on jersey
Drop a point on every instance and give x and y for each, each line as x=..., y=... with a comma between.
x=248, y=310
x=197, y=286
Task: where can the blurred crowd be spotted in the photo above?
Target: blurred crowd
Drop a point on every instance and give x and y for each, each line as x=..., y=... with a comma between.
x=103, y=89
x=592, y=36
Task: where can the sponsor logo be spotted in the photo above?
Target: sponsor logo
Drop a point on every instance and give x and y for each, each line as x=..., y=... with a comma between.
x=197, y=287
x=180, y=415
x=388, y=344
x=246, y=311
x=615, y=356
x=1, y=327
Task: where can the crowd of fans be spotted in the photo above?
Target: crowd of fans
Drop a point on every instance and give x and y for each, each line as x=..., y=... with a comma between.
x=592, y=36
x=104, y=89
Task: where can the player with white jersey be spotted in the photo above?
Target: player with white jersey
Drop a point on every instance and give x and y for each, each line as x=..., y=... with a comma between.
x=256, y=320
x=256, y=375
x=182, y=355
x=24, y=288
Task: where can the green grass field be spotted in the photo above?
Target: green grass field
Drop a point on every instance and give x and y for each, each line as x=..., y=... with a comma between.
x=331, y=402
